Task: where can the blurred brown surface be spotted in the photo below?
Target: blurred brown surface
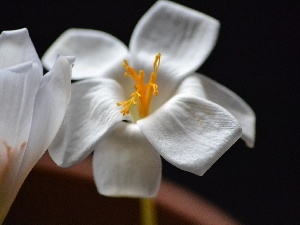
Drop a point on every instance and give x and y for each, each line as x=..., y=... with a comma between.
x=53, y=195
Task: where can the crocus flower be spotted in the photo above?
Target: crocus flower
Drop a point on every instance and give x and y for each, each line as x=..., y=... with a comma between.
x=191, y=122
x=32, y=107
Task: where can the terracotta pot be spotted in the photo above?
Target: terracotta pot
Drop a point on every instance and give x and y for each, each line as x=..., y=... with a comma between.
x=52, y=195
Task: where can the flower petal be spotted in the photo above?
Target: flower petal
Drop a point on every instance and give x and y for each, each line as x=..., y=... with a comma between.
x=202, y=86
x=50, y=107
x=16, y=48
x=18, y=89
x=96, y=52
x=91, y=113
x=126, y=164
x=183, y=36
x=191, y=133
x=10, y=159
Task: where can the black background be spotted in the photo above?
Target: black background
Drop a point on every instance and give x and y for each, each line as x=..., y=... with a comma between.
x=256, y=56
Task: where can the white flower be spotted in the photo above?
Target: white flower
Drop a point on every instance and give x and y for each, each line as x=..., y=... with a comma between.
x=32, y=107
x=191, y=122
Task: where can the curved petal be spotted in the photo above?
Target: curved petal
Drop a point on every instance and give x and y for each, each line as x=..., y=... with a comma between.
x=202, y=86
x=191, y=133
x=16, y=48
x=50, y=107
x=91, y=113
x=182, y=35
x=126, y=164
x=96, y=52
x=18, y=89
x=10, y=159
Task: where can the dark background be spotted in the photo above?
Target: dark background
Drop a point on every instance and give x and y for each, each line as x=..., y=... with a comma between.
x=256, y=56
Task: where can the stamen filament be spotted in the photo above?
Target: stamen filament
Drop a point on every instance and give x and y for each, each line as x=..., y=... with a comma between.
x=143, y=92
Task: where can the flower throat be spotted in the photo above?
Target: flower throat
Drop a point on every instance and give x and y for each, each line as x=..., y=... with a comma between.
x=143, y=92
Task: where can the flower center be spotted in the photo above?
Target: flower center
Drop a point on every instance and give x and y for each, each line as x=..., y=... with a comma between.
x=143, y=91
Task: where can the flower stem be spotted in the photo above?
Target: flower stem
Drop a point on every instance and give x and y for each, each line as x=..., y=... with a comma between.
x=148, y=212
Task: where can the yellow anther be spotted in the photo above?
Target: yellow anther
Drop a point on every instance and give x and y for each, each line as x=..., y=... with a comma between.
x=156, y=63
x=143, y=92
x=155, y=88
x=127, y=104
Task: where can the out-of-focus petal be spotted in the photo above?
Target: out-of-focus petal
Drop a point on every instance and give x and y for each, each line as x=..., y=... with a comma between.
x=126, y=164
x=182, y=35
x=96, y=52
x=202, y=86
x=50, y=107
x=18, y=89
x=10, y=160
x=91, y=113
x=191, y=133
x=16, y=48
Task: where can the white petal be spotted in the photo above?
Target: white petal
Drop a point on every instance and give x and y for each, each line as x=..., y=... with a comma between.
x=183, y=36
x=18, y=89
x=16, y=48
x=91, y=113
x=202, y=86
x=10, y=159
x=96, y=52
x=126, y=164
x=191, y=133
x=50, y=107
